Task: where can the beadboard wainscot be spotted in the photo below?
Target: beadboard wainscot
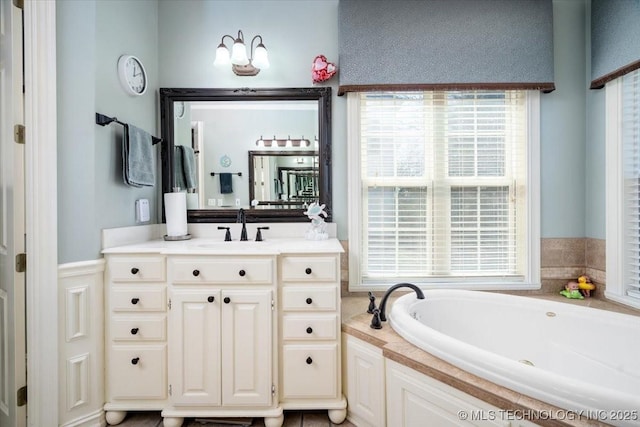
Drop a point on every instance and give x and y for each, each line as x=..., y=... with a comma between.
x=81, y=344
x=208, y=328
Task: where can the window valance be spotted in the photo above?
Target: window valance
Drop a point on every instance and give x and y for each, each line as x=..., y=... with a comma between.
x=445, y=44
x=615, y=39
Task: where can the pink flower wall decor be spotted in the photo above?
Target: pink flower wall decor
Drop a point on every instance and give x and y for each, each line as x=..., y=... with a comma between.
x=322, y=70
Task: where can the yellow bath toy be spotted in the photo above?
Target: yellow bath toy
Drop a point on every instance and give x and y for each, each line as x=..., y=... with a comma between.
x=585, y=285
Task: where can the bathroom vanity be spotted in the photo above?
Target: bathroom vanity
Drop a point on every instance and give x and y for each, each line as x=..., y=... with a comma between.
x=206, y=328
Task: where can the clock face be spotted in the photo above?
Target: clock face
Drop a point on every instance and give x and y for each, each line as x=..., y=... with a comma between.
x=132, y=75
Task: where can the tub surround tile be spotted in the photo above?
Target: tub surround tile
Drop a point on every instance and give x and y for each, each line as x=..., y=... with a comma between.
x=562, y=252
x=595, y=253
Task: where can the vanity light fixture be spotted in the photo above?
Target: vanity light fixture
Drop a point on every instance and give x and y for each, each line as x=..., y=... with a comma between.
x=283, y=143
x=241, y=64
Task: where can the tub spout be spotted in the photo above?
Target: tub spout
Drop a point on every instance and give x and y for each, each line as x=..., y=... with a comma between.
x=383, y=303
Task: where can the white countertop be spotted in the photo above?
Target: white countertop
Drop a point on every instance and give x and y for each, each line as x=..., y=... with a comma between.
x=210, y=246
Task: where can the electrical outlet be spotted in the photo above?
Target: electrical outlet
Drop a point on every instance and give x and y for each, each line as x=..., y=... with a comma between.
x=142, y=210
x=211, y=202
x=237, y=202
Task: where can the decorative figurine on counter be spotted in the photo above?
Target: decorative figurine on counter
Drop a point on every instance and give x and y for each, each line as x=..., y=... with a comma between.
x=585, y=285
x=571, y=290
x=318, y=228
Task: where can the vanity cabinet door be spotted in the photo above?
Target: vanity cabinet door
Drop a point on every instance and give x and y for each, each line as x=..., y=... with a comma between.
x=194, y=355
x=246, y=339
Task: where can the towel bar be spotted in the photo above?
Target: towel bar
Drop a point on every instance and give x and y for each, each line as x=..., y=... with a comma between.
x=103, y=120
x=236, y=173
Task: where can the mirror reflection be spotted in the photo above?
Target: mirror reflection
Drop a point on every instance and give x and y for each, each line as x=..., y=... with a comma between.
x=283, y=180
x=211, y=140
x=214, y=139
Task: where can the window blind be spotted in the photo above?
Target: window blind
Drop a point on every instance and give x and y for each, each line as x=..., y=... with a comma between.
x=443, y=182
x=631, y=166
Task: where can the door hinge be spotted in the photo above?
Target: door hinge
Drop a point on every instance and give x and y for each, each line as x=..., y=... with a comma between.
x=21, y=263
x=170, y=390
x=169, y=304
x=21, y=396
x=273, y=305
x=19, y=4
x=273, y=389
x=18, y=134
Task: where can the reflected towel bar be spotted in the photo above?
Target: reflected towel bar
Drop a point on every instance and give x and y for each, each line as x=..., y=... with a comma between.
x=103, y=120
x=236, y=173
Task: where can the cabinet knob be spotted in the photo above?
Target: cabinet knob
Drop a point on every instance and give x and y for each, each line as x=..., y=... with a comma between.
x=308, y=270
x=134, y=331
x=309, y=300
x=227, y=300
x=134, y=301
x=309, y=330
x=309, y=360
x=134, y=270
x=211, y=299
x=135, y=360
x=242, y=273
x=196, y=273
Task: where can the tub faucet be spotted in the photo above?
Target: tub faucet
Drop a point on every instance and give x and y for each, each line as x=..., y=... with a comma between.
x=379, y=314
x=243, y=219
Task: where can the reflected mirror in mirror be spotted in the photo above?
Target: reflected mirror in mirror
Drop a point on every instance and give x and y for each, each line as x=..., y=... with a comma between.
x=284, y=180
x=284, y=133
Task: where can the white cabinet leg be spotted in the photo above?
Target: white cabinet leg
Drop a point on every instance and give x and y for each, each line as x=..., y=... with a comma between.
x=115, y=417
x=172, y=421
x=274, y=421
x=337, y=416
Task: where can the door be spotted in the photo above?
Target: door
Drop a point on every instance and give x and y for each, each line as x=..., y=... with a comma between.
x=194, y=347
x=246, y=347
x=12, y=219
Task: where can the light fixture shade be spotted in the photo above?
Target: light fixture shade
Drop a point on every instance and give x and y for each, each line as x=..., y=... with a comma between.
x=239, y=53
x=260, y=58
x=222, y=55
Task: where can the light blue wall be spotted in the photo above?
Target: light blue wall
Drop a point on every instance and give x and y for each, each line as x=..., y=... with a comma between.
x=91, y=36
x=563, y=127
x=177, y=41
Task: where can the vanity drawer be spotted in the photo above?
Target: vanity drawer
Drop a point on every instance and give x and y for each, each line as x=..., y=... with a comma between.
x=309, y=269
x=309, y=326
x=131, y=268
x=223, y=271
x=133, y=298
x=310, y=371
x=137, y=372
x=139, y=328
x=309, y=298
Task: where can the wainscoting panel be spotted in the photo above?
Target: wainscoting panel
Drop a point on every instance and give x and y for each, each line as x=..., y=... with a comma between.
x=4, y=353
x=81, y=343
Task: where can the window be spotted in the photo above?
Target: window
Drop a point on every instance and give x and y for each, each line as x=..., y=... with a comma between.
x=623, y=189
x=441, y=188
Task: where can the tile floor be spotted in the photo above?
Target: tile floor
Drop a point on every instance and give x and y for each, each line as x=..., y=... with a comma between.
x=291, y=419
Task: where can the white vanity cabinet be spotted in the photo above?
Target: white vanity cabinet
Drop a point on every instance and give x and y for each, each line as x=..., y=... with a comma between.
x=136, y=334
x=310, y=365
x=221, y=337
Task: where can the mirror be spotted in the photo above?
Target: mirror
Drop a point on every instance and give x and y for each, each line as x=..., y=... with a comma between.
x=286, y=180
x=215, y=138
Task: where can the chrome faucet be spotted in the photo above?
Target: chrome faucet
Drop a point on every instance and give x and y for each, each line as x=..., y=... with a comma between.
x=243, y=219
x=379, y=314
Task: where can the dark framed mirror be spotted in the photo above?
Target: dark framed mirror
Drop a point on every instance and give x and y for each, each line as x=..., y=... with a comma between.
x=209, y=134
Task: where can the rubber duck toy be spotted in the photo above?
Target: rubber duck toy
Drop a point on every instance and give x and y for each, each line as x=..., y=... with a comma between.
x=585, y=285
x=571, y=290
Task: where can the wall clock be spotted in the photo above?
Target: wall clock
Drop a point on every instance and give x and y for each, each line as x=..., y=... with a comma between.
x=178, y=108
x=133, y=77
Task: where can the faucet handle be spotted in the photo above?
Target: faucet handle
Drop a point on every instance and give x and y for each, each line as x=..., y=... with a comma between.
x=376, y=323
x=259, y=233
x=227, y=235
x=372, y=303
